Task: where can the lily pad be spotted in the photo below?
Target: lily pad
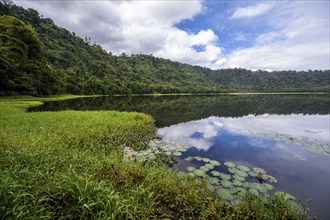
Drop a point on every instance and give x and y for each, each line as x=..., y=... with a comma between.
x=189, y=158
x=225, y=176
x=214, y=163
x=268, y=186
x=199, y=172
x=246, y=185
x=259, y=187
x=226, y=194
x=237, y=183
x=259, y=170
x=177, y=153
x=198, y=158
x=206, y=160
x=232, y=170
x=210, y=166
x=230, y=164
x=214, y=181
x=226, y=183
x=204, y=168
x=191, y=169
x=238, y=192
x=239, y=178
x=243, y=168
x=253, y=174
x=215, y=173
x=241, y=173
x=270, y=178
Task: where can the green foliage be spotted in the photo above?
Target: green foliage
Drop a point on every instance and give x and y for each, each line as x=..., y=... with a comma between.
x=73, y=65
x=24, y=69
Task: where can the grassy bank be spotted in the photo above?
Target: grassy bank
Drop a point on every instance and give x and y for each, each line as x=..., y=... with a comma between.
x=70, y=165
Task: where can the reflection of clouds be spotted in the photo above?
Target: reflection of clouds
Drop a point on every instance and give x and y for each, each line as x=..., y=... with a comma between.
x=315, y=127
x=185, y=133
x=201, y=133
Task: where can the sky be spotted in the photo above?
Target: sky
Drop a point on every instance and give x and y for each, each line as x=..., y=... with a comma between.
x=267, y=35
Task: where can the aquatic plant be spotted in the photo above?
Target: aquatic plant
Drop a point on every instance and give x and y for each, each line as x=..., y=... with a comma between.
x=191, y=169
x=239, y=178
x=214, y=163
x=225, y=176
x=230, y=164
x=213, y=180
x=243, y=168
x=215, y=173
x=226, y=194
x=226, y=183
x=199, y=172
x=204, y=168
x=209, y=166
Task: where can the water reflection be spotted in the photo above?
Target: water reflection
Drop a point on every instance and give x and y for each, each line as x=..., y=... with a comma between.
x=298, y=129
x=170, y=110
x=238, y=140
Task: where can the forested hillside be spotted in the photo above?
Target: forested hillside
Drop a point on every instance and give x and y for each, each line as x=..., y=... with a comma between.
x=39, y=58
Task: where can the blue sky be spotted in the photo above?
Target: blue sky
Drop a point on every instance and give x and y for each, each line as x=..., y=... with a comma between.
x=272, y=35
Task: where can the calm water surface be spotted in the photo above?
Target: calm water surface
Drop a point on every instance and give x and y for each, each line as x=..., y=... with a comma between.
x=287, y=135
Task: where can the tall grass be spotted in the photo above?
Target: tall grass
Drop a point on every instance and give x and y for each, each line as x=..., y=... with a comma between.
x=70, y=165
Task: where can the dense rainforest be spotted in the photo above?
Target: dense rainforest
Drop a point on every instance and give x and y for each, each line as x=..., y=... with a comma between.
x=39, y=58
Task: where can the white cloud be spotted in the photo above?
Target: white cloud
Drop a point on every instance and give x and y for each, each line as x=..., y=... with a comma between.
x=251, y=11
x=179, y=46
x=297, y=38
x=199, y=134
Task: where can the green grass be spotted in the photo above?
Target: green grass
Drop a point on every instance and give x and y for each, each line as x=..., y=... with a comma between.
x=70, y=165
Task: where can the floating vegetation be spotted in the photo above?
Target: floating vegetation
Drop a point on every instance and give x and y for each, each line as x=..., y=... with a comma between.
x=225, y=176
x=241, y=173
x=230, y=164
x=226, y=183
x=310, y=145
x=206, y=160
x=189, y=158
x=198, y=158
x=233, y=185
x=215, y=173
x=226, y=194
x=243, y=168
x=214, y=163
x=259, y=170
x=237, y=183
x=214, y=181
x=199, y=172
x=191, y=169
x=204, y=168
x=177, y=154
x=232, y=170
x=260, y=174
x=209, y=166
x=239, y=178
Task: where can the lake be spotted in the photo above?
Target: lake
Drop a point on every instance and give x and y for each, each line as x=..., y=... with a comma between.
x=287, y=136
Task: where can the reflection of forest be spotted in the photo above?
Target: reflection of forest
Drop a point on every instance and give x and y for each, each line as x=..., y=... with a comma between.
x=169, y=110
